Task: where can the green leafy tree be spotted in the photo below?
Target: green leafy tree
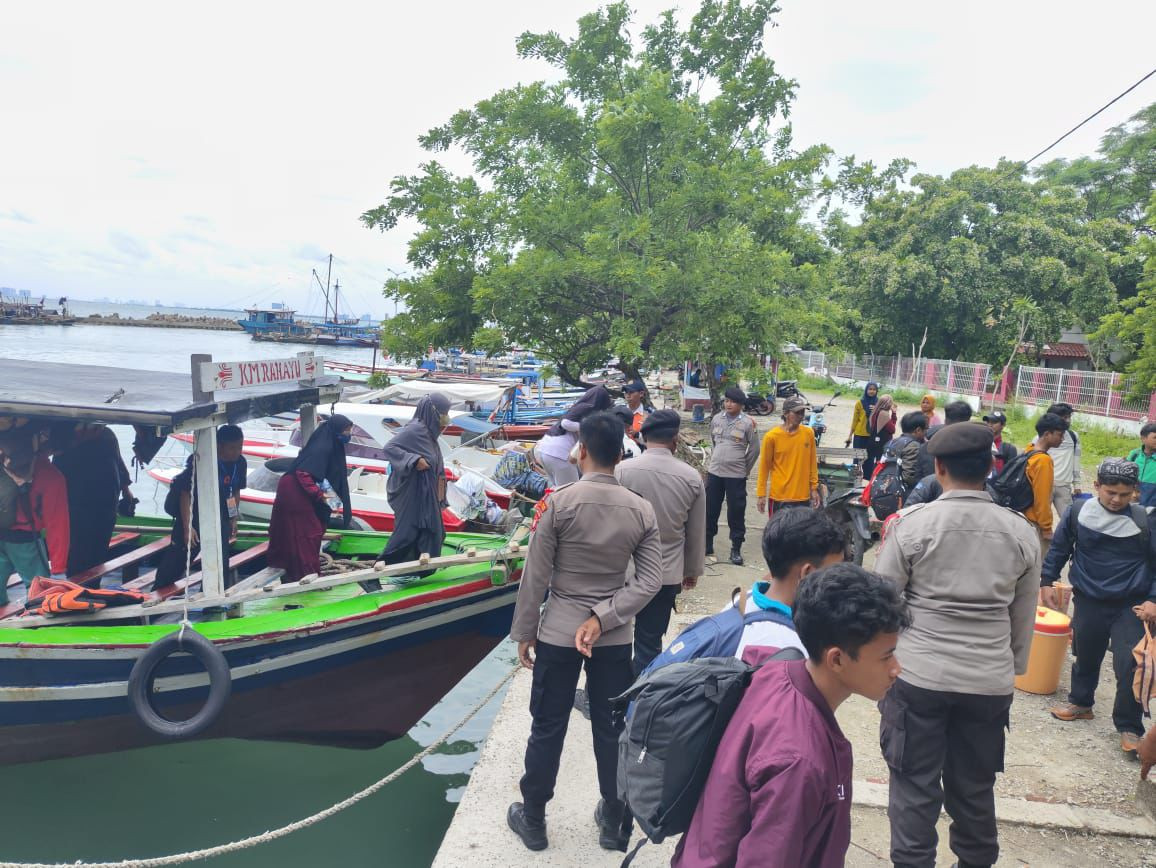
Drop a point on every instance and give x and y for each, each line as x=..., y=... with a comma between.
x=646, y=205
x=961, y=256
x=1134, y=325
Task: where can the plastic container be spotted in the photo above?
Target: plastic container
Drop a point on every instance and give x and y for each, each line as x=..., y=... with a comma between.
x=1048, y=654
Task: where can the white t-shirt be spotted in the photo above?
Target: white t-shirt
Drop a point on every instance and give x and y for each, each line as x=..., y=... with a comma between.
x=768, y=633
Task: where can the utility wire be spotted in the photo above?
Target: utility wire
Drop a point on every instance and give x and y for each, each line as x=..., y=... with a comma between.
x=1098, y=111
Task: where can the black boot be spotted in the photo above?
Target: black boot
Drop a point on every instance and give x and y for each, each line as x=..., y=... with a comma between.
x=531, y=831
x=737, y=555
x=614, y=825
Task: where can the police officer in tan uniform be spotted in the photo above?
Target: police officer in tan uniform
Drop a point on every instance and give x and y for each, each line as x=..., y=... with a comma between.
x=676, y=492
x=970, y=571
x=586, y=538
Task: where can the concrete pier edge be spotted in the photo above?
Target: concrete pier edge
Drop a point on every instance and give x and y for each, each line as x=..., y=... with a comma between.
x=478, y=835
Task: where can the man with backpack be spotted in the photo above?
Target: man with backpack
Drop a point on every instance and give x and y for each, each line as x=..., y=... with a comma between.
x=675, y=490
x=795, y=544
x=778, y=792
x=1144, y=456
x=1109, y=542
x=587, y=536
x=898, y=472
x=1039, y=471
x=953, y=413
x=1066, y=459
x=970, y=572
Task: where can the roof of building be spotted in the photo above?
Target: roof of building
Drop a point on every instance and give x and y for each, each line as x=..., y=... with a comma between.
x=1065, y=351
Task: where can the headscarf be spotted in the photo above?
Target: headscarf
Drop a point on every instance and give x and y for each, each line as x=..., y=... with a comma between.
x=420, y=434
x=886, y=405
x=868, y=401
x=323, y=457
x=928, y=397
x=595, y=399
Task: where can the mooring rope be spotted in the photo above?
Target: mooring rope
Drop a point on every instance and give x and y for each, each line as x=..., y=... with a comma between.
x=274, y=834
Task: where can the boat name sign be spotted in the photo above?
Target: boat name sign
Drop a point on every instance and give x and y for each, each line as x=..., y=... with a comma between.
x=218, y=376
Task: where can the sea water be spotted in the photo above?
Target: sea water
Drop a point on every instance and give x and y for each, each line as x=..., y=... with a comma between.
x=185, y=796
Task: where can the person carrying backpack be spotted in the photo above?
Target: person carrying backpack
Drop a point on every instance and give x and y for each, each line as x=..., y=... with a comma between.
x=1040, y=472
x=795, y=544
x=898, y=472
x=778, y=792
x=1110, y=544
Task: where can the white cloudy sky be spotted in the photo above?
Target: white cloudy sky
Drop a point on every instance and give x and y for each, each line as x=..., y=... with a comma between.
x=214, y=153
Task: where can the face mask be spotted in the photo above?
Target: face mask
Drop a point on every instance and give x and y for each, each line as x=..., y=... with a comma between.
x=344, y=438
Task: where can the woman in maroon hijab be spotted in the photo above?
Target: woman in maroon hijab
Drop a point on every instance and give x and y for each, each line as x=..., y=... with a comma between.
x=301, y=510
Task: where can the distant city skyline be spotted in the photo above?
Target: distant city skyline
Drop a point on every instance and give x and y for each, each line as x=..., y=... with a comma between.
x=152, y=154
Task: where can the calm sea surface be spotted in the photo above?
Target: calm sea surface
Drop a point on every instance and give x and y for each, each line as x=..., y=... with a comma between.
x=162, y=800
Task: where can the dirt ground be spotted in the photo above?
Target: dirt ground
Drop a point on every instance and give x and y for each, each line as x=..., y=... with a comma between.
x=1078, y=763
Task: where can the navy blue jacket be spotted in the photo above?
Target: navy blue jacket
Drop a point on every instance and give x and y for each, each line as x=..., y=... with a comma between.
x=1108, y=555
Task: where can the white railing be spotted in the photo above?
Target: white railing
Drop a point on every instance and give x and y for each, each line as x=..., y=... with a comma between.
x=935, y=375
x=1101, y=393
x=811, y=360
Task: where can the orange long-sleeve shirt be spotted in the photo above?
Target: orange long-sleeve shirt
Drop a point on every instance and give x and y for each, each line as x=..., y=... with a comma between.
x=1041, y=474
x=790, y=462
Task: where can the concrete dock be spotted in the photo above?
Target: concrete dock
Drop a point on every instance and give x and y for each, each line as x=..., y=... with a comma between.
x=1033, y=832
x=1068, y=796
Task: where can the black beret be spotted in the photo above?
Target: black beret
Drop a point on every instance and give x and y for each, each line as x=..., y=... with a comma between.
x=661, y=424
x=735, y=394
x=961, y=438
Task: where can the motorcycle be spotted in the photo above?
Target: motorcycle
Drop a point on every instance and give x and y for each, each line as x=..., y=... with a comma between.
x=757, y=405
x=814, y=419
x=841, y=482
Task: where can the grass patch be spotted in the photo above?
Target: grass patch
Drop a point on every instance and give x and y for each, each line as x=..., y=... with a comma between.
x=1096, y=444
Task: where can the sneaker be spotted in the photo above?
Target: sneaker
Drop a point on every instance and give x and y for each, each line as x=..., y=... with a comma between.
x=1129, y=742
x=736, y=556
x=582, y=702
x=614, y=826
x=532, y=832
x=1070, y=711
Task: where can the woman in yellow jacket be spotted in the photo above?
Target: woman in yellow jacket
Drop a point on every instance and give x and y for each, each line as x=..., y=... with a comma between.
x=860, y=433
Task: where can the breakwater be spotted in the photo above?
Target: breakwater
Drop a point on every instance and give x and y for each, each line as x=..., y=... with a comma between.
x=164, y=321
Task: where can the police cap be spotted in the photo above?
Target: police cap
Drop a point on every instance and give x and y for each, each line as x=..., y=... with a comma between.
x=661, y=425
x=962, y=438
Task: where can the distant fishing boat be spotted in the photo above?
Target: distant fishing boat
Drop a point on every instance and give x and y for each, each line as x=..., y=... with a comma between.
x=273, y=322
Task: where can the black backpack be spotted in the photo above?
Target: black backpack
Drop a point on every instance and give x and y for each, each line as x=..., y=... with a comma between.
x=675, y=718
x=1012, y=488
x=1138, y=513
x=887, y=487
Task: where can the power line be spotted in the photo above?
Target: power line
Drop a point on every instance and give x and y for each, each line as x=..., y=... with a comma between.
x=1098, y=111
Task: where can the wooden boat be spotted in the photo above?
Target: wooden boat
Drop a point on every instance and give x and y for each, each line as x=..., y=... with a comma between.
x=319, y=660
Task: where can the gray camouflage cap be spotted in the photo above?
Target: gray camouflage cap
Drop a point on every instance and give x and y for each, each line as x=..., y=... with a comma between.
x=1117, y=470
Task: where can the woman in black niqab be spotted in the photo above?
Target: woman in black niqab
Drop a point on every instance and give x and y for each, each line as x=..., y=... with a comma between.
x=417, y=484
x=300, y=510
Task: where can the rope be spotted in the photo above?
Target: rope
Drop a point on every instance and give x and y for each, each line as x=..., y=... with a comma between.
x=274, y=834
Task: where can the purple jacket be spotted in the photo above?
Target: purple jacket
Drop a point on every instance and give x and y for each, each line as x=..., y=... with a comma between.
x=779, y=791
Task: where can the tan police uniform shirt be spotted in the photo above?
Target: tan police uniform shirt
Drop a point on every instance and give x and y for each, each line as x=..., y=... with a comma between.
x=580, y=551
x=970, y=571
x=676, y=492
x=734, y=446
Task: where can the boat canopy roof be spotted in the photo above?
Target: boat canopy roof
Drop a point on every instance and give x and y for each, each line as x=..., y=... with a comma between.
x=124, y=396
x=458, y=391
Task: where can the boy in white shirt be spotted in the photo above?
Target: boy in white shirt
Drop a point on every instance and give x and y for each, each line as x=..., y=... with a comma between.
x=796, y=542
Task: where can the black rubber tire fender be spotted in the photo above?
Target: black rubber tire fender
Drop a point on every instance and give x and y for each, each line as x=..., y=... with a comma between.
x=140, y=684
